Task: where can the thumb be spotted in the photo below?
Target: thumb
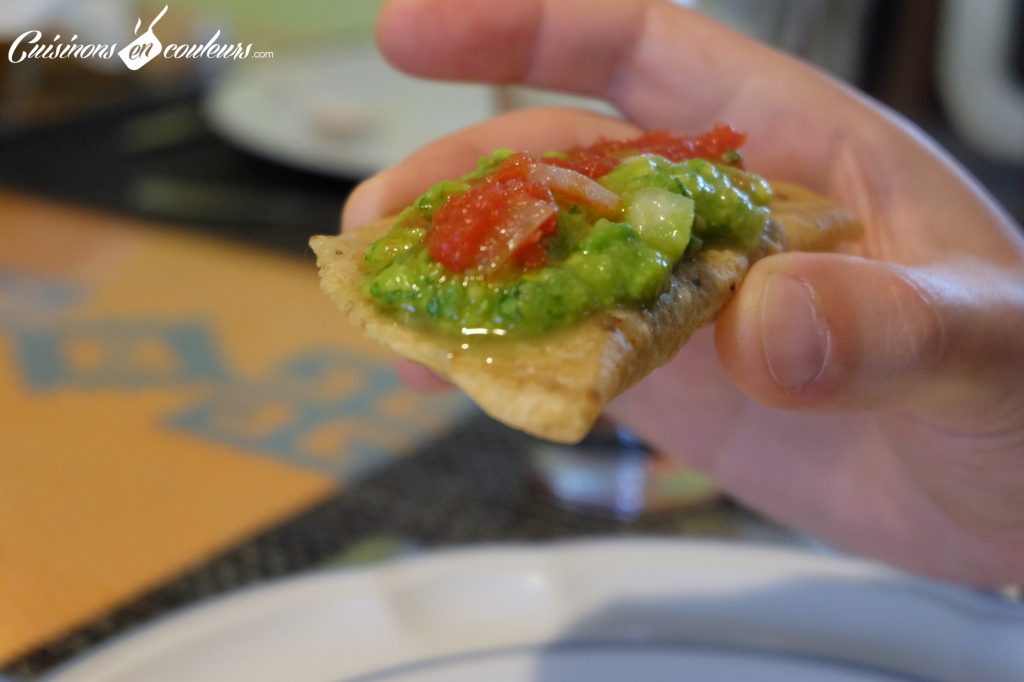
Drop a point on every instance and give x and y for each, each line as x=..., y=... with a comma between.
x=812, y=330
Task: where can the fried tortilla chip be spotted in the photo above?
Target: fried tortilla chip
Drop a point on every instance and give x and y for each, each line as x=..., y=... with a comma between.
x=556, y=386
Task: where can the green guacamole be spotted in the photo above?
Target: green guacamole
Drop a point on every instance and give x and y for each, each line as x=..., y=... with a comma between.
x=667, y=212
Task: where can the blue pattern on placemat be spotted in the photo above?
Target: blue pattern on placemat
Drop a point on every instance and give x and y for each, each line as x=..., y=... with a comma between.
x=128, y=353
x=324, y=409
x=27, y=299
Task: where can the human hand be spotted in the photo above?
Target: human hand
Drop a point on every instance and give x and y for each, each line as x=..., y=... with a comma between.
x=873, y=398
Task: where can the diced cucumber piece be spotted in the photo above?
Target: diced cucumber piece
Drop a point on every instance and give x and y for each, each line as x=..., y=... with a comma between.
x=662, y=218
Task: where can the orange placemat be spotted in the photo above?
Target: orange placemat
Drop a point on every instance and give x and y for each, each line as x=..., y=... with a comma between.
x=162, y=397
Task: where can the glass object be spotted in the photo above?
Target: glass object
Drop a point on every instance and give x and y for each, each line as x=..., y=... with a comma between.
x=613, y=473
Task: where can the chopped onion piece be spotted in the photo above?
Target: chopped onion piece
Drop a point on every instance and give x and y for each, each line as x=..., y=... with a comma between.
x=575, y=186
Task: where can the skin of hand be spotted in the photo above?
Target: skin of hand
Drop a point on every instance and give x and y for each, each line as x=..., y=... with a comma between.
x=873, y=398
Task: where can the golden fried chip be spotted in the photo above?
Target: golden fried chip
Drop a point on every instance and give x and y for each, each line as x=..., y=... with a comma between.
x=556, y=386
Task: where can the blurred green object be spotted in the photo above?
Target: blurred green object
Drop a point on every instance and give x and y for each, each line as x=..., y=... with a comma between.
x=372, y=550
x=279, y=25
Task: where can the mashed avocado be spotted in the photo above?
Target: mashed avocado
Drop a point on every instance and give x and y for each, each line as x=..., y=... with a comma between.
x=667, y=212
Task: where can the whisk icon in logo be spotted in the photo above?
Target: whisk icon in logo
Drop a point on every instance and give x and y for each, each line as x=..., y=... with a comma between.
x=140, y=51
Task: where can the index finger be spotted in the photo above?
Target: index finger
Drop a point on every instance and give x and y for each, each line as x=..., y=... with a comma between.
x=661, y=65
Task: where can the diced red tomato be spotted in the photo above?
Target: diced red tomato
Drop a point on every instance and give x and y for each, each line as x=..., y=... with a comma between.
x=602, y=156
x=515, y=167
x=531, y=256
x=490, y=223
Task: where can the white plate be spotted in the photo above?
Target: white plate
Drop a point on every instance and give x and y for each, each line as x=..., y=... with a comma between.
x=597, y=610
x=347, y=112
x=344, y=112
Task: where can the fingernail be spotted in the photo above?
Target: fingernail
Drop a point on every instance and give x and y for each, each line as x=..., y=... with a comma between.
x=794, y=335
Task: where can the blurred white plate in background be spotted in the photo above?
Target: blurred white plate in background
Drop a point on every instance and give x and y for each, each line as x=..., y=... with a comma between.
x=343, y=112
x=347, y=112
x=608, y=610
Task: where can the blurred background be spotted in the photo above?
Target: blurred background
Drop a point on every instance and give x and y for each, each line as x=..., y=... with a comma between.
x=269, y=147
x=130, y=203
